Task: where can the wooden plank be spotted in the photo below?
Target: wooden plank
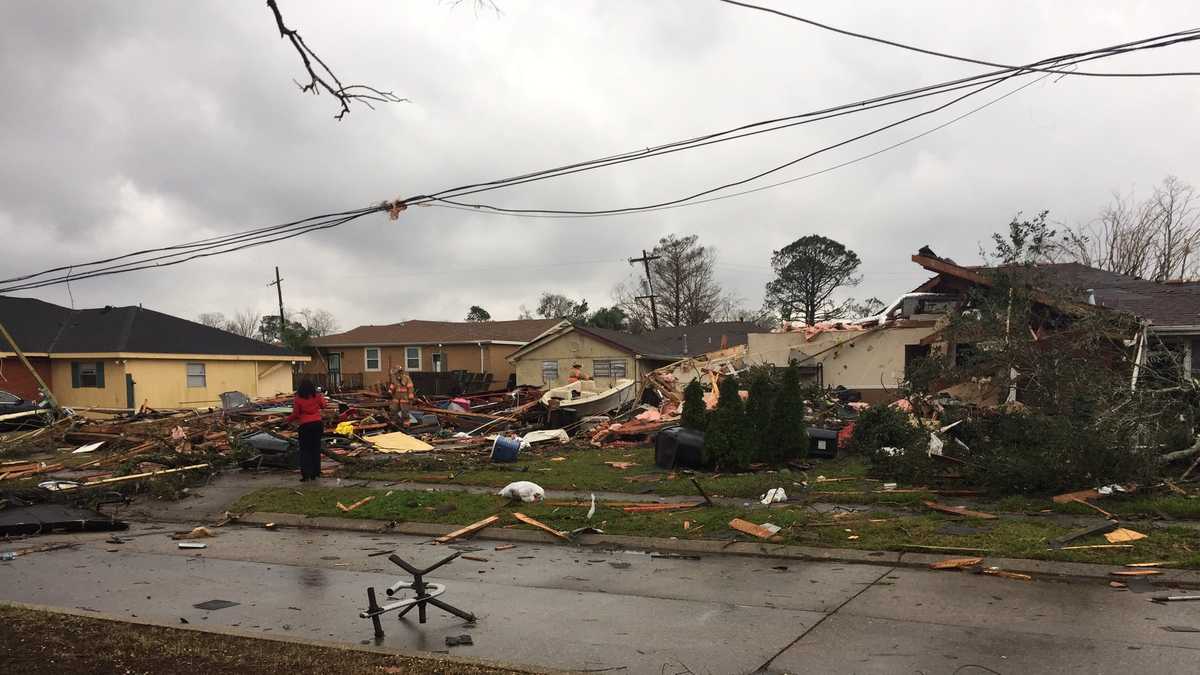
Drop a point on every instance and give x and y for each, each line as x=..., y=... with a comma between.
x=469, y=529
x=541, y=526
x=1075, y=496
x=954, y=563
x=149, y=474
x=1008, y=575
x=1122, y=535
x=942, y=508
x=1148, y=564
x=1135, y=573
x=355, y=505
x=750, y=528
x=1104, y=513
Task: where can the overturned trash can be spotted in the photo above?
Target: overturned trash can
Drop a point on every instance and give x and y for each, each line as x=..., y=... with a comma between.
x=677, y=446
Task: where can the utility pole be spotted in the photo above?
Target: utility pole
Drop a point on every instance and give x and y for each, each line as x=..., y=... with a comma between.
x=278, y=284
x=645, y=260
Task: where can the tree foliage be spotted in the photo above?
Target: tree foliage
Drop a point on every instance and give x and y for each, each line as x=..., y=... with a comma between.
x=477, y=313
x=785, y=437
x=725, y=440
x=808, y=272
x=684, y=284
x=558, y=306
x=759, y=408
x=612, y=318
x=695, y=415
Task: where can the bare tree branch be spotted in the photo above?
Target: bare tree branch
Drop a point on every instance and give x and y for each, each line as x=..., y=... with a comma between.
x=344, y=94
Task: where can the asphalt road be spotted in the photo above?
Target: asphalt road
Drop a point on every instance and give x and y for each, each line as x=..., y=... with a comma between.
x=573, y=608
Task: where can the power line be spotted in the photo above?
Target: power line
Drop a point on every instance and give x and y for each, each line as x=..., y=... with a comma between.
x=261, y=236
x=944, y=55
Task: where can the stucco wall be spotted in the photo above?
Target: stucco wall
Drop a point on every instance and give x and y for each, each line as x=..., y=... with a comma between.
x=870, y=361
x=111, y=396
x=567, y=350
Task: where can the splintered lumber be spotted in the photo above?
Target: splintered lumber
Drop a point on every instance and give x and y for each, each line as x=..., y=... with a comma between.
x=1148, y=564
x=954, y=563
x=1084, y=548
x=1104, y=513
x=1076, y=496
x=26, y=472
x=468, y=530
x=135, y=476
x=959, y=511
x=355, y=505
x=1135, y=573
x=451, y=413
x=1121, y=534
x=541, y=526
x=1004, y=574
x=750, y=528
x=651, y=508
x=1108, y=526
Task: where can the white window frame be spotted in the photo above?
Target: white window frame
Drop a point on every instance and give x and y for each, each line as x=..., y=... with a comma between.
x=188, y=375
x=408, y=359
x=367, y=359
x=546, y=363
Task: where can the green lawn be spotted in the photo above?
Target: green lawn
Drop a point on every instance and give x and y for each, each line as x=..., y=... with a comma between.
x=585, y=469
x=1004, y=538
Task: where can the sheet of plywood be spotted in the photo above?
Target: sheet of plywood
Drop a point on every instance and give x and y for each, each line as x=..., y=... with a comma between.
x=399, y=442
x=1121, y=535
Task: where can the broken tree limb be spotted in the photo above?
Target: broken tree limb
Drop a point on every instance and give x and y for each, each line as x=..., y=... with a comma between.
x=707, y=501
x=957, y=511
x=1181, y=454
x=468, y=530
x=541, y=526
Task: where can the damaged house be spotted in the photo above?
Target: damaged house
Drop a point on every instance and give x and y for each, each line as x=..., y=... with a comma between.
x=874, y=355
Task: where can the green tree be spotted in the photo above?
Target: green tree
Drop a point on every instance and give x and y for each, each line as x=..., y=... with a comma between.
x=295, y=335
x=558, y=306
x=612, y=318
x=785, y=437
x=759, y=408
x=477, y=313
x=807, y=273
x=695, y=415
x=725, y=439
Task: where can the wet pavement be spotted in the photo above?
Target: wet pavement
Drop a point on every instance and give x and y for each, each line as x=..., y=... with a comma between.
x=572, y=608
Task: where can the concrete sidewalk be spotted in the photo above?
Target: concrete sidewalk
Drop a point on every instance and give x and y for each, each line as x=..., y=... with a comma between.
x=571, y=608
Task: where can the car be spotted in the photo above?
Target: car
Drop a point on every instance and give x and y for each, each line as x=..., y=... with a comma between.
x=10, y=403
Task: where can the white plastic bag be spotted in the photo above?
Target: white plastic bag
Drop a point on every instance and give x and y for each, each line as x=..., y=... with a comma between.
x=523, y=490
x=774, y=495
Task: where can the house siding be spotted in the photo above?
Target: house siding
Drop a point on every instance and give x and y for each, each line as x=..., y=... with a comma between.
x=162, y=383
x=111, y=395
x=566, y=350
x=455, y=357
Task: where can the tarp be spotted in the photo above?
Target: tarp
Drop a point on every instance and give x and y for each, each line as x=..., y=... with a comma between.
x=399, y=442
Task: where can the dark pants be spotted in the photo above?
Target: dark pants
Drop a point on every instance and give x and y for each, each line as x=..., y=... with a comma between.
x=310, y=449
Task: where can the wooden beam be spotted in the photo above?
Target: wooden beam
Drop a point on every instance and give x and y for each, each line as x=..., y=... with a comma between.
x=541, y=526
x=750, y=528
x=469, y=529
x=148, y=474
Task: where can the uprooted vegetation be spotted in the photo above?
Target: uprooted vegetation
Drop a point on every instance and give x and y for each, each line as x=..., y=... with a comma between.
x=1091, y=399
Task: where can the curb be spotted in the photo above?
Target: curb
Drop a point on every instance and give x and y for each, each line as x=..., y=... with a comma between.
x=239, y=633
x=1063, y=571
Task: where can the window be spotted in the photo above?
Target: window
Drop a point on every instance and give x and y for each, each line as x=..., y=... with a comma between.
x=412, y=358
x=87, y=374
x=913, y=356
x=195, y=376
x=372, y=354
x=608, y=368
x=549, y=371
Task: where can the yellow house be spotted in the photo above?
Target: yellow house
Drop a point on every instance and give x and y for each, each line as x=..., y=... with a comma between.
x=123, y=357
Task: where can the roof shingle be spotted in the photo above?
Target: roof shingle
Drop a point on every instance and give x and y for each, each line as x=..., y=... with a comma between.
x=439, y=332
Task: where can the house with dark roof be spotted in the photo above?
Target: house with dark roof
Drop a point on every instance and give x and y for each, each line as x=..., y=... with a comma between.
x=365, y=355
x=123, y=357
x=609, y=355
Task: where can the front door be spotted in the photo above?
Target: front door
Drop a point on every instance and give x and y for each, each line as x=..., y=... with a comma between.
x=335, y=369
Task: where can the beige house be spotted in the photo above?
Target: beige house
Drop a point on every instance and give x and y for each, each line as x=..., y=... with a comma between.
x=364, y=356
x=123, y=357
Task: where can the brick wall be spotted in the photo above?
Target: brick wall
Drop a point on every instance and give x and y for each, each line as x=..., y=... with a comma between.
x=15, y=378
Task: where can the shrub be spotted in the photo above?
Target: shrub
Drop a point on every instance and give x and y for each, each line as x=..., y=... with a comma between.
x=759, y=407
x=785, y=437
x=694, y=415
x=896, y=447
x=725, y=439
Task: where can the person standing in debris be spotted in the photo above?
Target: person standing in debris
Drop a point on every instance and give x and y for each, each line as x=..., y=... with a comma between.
x=577, y=374
x=307, y=406
x=403, y=392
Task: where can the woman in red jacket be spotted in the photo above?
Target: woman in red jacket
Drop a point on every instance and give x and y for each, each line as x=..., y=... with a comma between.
x=307, y=406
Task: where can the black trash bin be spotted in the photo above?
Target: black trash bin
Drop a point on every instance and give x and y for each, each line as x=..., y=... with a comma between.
x=822, y=443
x=679, y=447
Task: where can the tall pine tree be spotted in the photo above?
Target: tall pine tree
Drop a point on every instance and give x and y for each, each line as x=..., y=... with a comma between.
x=694, y=412
x=725, y=439
x=785, y=435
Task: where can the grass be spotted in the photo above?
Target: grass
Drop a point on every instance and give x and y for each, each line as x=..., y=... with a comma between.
x=1015, y=538
x=38, y=642
x=585, y=469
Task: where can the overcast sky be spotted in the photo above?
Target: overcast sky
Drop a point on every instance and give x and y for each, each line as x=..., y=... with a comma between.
x=127, y=124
